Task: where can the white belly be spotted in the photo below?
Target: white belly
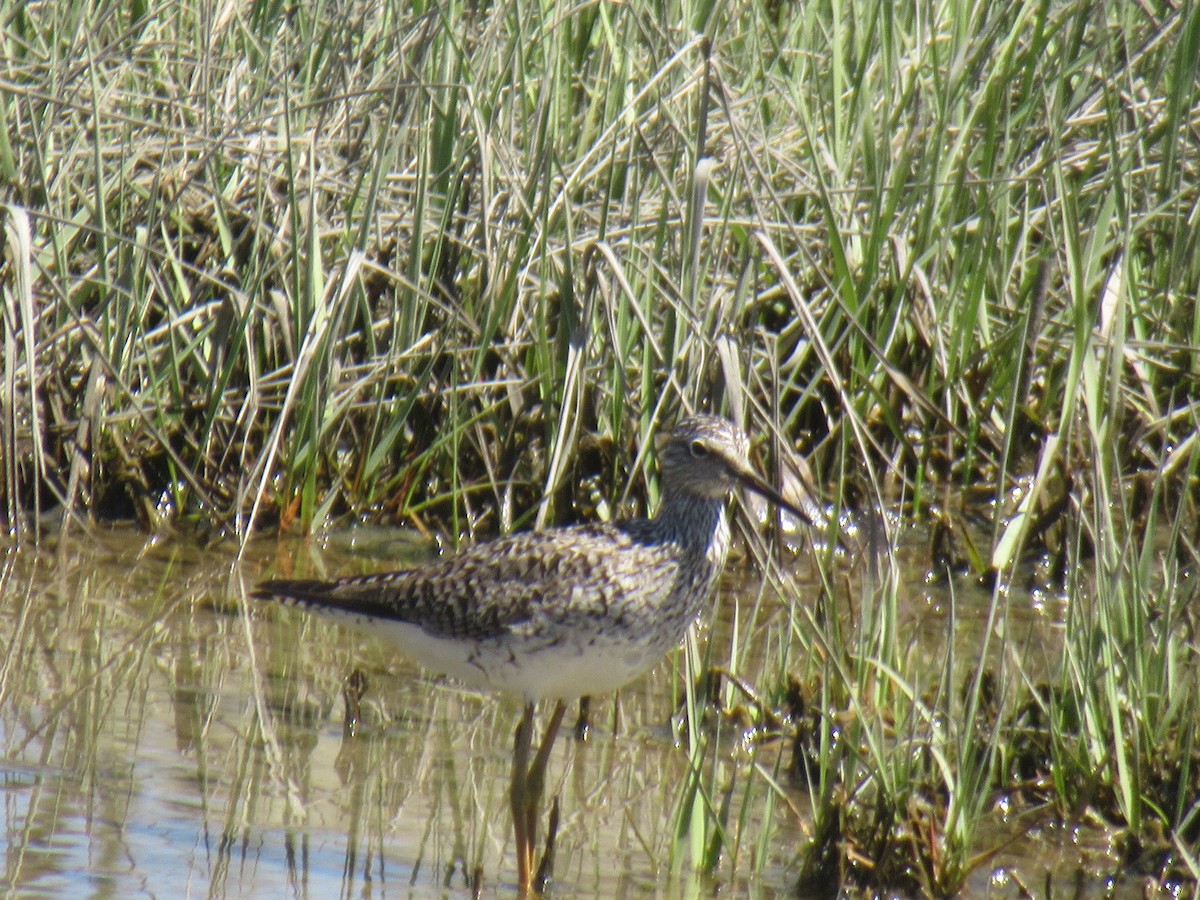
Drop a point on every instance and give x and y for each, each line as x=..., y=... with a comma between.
x=533, y=668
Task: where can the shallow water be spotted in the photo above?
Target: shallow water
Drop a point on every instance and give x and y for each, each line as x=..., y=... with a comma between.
x=162, y=736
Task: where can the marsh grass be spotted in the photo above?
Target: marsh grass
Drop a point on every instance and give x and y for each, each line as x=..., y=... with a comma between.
x=379, y=259
x=925, y=760
x=456, y=265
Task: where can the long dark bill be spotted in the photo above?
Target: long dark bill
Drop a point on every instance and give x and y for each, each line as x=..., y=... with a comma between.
x=754, y=482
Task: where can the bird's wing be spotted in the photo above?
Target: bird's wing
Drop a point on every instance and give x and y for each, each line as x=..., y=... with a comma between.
x=485, y=591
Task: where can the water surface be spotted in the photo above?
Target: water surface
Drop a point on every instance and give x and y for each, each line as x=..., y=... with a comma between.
x=162, y=736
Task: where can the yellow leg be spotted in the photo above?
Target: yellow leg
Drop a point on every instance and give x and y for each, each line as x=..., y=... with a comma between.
x=525, y=794
x=518, y=792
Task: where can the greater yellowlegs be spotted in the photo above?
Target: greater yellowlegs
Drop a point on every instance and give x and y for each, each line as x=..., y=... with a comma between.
x=565, y=612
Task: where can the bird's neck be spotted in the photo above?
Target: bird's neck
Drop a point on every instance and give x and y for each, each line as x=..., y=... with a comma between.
x=697, y=524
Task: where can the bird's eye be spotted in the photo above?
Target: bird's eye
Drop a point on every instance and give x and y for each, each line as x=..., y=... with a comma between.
x=699, y=451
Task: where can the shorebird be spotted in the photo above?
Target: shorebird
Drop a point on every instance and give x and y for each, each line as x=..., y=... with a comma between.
x=560, y=613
